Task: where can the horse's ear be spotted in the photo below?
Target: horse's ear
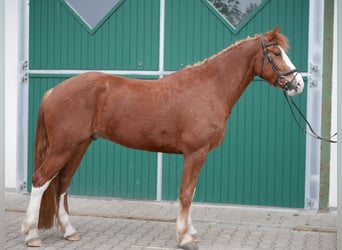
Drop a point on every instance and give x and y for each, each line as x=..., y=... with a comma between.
x=276, y=36
x=272, y=34
x=277, y=29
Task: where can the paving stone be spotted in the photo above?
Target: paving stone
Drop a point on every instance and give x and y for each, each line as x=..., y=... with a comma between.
x=127, y=224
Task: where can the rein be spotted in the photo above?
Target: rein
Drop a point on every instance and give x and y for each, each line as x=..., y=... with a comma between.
x=312, y=133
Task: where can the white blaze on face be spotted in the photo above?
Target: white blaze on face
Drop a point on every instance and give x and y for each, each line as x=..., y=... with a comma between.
x=298, y=81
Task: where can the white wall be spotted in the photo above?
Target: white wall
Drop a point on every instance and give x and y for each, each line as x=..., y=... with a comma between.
x=2, y=124
x=11, y=81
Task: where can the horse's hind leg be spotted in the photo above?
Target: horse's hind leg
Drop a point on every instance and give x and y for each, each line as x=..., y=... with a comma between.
x=30, y=225
x=184, y=229
x=44, y=178
x=63, y=223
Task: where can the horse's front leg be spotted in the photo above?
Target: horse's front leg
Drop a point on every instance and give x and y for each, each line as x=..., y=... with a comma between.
x=184, y=230
x=191, y=227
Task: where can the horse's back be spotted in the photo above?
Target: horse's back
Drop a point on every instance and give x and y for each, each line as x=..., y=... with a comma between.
x=114, y=107
x=164, y=115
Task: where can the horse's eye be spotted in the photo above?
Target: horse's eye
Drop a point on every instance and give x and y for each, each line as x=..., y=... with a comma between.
x=277, y=54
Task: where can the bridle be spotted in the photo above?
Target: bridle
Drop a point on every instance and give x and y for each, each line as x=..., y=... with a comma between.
x=281, y=77
x=286, y=85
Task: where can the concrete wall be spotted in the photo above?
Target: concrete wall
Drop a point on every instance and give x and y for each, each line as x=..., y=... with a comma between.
x=2, y=124
x=11, y=83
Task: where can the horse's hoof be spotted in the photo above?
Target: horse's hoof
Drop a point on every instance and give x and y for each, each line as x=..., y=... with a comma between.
x=73, y=237
x=196, y=238
x=34, y=243
x=190, y=246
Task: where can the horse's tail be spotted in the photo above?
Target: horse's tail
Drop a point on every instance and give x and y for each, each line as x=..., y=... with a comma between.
x=48, y=206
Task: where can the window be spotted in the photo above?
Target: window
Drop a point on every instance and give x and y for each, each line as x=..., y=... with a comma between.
x=235, y=11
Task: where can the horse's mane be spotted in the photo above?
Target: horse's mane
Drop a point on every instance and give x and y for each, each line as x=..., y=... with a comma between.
x=272, y=35
x=231, y=47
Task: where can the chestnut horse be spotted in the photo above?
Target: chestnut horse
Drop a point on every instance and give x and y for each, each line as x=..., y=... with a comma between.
x=184, y=113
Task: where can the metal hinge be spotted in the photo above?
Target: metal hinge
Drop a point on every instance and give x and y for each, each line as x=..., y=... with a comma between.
x=310, y=203
x=23, y=187
x=312, y=82
x=24, y=65
x=24, y=68
x=24, y=77
x=313, y=69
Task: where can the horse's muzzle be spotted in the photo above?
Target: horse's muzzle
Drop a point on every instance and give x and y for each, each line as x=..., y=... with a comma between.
x=296, y=87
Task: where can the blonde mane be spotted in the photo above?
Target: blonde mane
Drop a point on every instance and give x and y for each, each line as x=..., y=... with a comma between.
x=272, y=35
x=231, y=47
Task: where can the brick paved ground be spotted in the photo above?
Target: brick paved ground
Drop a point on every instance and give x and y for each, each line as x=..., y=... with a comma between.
x=123, y=224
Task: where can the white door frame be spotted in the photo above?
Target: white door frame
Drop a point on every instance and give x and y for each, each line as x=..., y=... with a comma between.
x=22, y=83
x=314, y=103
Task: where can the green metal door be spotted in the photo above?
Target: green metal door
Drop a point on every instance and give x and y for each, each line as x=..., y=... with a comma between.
x=262, y=159
x=126, y=38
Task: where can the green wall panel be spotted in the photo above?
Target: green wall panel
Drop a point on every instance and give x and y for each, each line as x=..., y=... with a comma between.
x=262, y=159
x=111, y=170
x=128, y=39
x=194, y=30
x=106, y=169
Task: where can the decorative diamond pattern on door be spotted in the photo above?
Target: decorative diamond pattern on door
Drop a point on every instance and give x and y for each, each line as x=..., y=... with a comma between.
x=92, y=12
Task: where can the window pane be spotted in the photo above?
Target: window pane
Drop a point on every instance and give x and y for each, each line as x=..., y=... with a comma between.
x=235, y=11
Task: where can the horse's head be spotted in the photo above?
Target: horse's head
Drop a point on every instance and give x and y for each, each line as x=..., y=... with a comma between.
x=274, y=65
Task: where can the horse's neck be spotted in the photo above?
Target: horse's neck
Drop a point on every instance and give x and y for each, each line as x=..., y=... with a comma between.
x=234, y=70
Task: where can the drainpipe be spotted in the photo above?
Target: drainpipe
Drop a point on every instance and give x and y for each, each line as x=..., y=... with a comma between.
x=339, y=126
x=326, y=103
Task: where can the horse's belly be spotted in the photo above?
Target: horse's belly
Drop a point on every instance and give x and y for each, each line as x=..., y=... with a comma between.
x=138, y=137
